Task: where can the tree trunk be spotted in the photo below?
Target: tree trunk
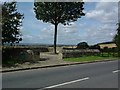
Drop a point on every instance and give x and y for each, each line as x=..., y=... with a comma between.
x=55, y=38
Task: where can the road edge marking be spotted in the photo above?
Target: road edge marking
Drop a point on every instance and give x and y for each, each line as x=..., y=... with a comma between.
x=78, y=80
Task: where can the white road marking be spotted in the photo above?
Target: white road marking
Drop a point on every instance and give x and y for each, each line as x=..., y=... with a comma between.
x=67, y=83
x=116, y=71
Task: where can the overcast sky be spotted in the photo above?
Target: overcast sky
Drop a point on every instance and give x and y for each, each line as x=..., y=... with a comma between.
x=98, y=25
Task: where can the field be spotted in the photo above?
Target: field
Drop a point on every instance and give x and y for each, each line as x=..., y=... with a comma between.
x=107, y=45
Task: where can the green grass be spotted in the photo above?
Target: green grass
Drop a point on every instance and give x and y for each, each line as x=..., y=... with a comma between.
x=87, y=58
x=109, y=54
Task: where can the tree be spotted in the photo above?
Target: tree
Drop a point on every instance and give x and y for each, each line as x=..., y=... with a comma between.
x=117, y=39
x=82, y=45
x=58, y=12
x=11, y=22
x=0, y=24
x=94, y=47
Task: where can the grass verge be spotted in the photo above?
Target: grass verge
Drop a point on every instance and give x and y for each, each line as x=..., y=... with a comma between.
x=88, y=58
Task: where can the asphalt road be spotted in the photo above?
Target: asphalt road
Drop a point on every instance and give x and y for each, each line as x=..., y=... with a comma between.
x=92, y=75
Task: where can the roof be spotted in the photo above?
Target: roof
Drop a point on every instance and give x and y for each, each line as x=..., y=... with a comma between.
x=111, y=42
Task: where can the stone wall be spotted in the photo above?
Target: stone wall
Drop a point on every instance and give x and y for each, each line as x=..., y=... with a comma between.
x=68, y=53
x=21, y=54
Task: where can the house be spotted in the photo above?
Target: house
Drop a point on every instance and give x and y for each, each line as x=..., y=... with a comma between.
x=107, y=44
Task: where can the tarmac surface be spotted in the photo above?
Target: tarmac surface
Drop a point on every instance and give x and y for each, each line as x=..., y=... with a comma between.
x=92, y=75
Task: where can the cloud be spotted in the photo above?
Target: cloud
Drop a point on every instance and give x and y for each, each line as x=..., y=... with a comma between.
x=46, y=34
x=72, y=28
x=94, y=14
x=17, y=0
x=98, y=25
x=101, y=0
x=103, y=18
x=105, y=12
x=101, y=33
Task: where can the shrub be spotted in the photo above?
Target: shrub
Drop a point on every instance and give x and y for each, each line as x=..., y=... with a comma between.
x=10, y=55
x=82, y=45
x=94, y=47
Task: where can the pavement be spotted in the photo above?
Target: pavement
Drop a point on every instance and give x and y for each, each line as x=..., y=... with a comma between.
x=92, y=75
x=47, y=60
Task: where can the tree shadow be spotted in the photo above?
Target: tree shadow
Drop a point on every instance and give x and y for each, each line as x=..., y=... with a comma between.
x=43, y=59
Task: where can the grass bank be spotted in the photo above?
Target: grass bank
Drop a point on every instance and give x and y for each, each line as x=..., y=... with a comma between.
x=88, y=58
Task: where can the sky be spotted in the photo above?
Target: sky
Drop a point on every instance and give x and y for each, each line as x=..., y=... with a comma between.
x=98, y=25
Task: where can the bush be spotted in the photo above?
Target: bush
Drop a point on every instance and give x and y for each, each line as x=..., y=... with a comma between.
x=94, y=47
x=109, y=51
x=82, y=45
x=10, y=55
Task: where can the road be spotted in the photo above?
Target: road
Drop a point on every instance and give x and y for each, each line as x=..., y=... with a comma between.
x=92, y=75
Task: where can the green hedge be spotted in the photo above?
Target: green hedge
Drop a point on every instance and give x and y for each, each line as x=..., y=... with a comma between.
x=10, y=55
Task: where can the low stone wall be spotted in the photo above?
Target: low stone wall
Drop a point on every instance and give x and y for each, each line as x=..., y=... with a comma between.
x=22, y=54
x=68, y=53
x=40, y=49
x=33, y=52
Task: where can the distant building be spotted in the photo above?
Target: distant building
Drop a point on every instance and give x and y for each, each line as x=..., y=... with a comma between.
x=70, y=47
x=107, y=44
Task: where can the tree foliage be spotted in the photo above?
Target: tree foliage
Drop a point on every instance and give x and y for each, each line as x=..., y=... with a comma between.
x=1, y=23
x=11, y=22
x=82, y=45
x=117, y=39
x=58, y=12
x=94, y=47
x=0, y=14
